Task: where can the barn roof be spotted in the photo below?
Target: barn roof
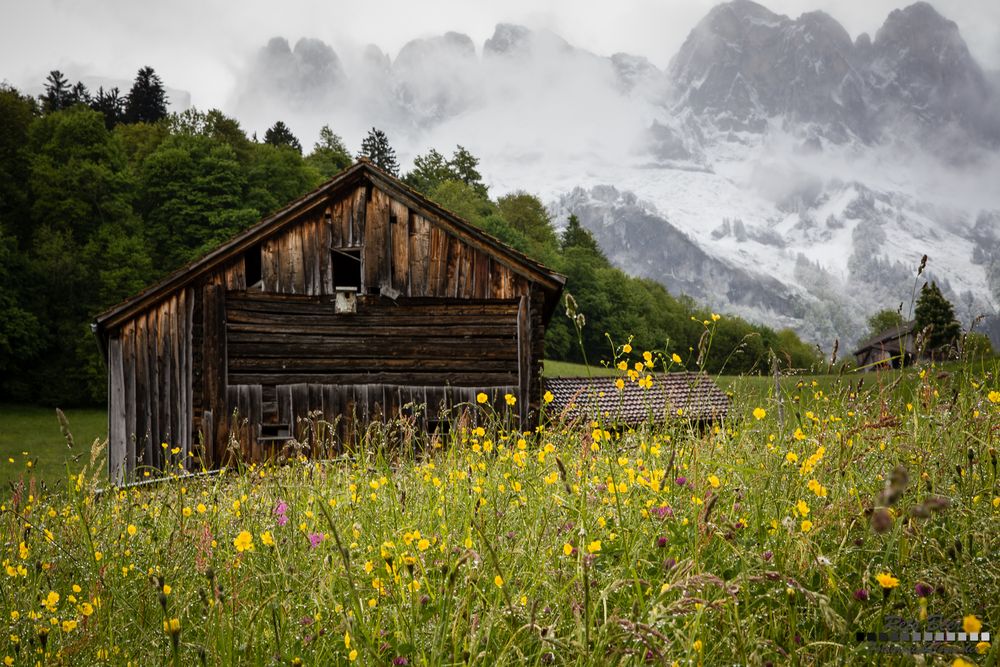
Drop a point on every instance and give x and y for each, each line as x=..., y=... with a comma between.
x=361, y=172
x=695, y=394
x=885, y=336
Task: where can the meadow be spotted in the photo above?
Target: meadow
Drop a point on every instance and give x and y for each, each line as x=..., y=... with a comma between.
x=819, y=509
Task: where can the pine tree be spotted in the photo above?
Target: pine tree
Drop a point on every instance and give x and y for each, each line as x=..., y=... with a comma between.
x=935, y=311
x=577, y=236
x=147, y=100
x=279, y=135
x=110, y=104
x=376, y=148
x=79, y=94
x=57, y=92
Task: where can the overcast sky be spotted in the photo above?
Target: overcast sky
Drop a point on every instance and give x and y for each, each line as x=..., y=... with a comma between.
x=201, y=45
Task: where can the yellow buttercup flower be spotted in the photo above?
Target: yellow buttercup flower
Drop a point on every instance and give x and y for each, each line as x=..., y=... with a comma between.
x=243, y=542
x=759, y=413
x=971, y=624
x=481, y=397
x=886, y=580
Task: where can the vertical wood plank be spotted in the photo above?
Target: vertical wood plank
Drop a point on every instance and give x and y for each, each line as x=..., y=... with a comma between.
x=214, y=370
x=128, y=369
x=400, y=250
x=523, y=359
x=155, y=410
x=145, y=383
x=376, y=238
x=359, y=221
x=323, y=245
x=116, y=413
x=419, y=254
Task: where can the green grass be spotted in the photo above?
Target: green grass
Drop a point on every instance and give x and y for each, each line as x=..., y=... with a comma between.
x=30, y=434
x=760, y=541
x=555, y=369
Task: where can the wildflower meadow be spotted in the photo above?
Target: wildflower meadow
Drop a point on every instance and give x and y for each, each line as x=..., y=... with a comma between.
x=817, y=510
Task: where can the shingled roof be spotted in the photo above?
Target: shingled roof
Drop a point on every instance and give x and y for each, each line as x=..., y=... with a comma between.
x=695, y=394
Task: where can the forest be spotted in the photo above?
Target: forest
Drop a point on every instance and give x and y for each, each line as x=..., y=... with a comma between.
x=102, y=193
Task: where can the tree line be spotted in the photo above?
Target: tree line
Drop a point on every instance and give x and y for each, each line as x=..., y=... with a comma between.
x=102, y=194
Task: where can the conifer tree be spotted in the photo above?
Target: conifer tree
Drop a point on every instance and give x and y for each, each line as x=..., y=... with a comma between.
x=57, y=92
x=376, y=148
x=577, y=236
x=279, y=135
x=147, y=100
x=935, y=311
x=110, y=104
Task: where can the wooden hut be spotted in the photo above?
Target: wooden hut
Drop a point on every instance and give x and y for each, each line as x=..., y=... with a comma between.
x=894, y=347
x=359, y=300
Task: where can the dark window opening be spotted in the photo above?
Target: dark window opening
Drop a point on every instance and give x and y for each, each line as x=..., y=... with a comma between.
x=346, y=264
x=252, y=266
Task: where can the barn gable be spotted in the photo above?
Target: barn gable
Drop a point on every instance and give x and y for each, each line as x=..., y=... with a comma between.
x=357, y=300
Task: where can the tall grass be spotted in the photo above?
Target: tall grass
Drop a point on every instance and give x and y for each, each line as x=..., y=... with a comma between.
x=757, y=540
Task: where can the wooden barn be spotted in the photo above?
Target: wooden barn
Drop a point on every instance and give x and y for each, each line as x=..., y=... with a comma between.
x=358, y=301
x=894, y=347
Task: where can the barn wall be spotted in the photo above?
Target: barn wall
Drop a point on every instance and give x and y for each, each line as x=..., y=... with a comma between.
x=277, y=339
x=150, y=388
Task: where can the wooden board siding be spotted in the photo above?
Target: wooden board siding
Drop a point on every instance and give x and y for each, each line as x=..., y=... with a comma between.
x=346, y=409
x=411, y=257
x=276, y=340
x=150, y=397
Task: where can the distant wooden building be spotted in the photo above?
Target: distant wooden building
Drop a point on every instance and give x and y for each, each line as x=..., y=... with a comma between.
x=695, y=395
x=355, y=301
x=893, y=348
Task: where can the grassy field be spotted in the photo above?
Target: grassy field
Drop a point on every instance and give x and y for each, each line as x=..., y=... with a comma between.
x=819, y=511
x=31, y=440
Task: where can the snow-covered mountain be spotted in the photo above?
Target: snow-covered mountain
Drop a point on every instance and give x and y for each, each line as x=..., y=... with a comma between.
x=776, y=168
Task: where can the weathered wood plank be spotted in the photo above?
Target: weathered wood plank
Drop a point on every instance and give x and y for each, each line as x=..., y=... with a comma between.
x=523, y=360
x=323, y=245
x=376, y=254
x=144, y=451
x=117, y=430
x=294, y=346
x=399, y=239
x=419, y=255
x=359, y=212
x=156, y=411
x=128, y=369
x=214, y=357
x=429, y=378
x=238, y=365
x=437, y=267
